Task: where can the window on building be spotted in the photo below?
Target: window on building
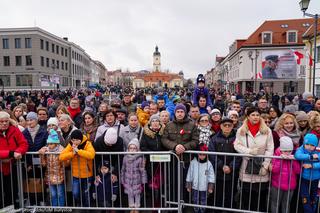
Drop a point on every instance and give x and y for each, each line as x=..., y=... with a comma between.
x=17, y=43
x=317, y=59
x=42, y=61
x=317, y=90
x=47, y=45
x=62, y=65
x=57, y=49
x=62, y=51
x=5, y=80
x=52, y=48
x=28, y=43
x=58, y=64
x=266, y=38
x=6, y=61
x=47, y=62
x=24, y=80
x=18, y=61
x=53, y=63
x=66, y=53
x=5, y=43
x=292, y=37
x=41, y=44
x=67, y=66
x=72, y=54
x=28, y=60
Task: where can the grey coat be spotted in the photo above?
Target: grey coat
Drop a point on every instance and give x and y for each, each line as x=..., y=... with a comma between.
x=127, y=135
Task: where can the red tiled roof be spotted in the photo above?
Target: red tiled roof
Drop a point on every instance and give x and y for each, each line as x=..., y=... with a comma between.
x=279, y=36
x=310, y=31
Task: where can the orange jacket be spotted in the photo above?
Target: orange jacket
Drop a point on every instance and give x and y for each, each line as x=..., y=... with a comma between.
x=143, y=116
x=82, y=161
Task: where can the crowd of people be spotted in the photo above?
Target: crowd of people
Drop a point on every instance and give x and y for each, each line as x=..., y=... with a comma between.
x=68, y=129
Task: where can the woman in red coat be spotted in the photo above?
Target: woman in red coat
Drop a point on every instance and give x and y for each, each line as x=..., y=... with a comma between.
x=12, y=146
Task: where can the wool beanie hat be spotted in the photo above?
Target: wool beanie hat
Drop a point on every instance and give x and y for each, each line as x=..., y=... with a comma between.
x=302, y=116
x=32, y=116
x=135, y=142
x=111, y=136
x=232, y=112
x=53, y=121
x=154, y=117
x=144, y=104
x=53, y=137
x=180, y=106
x=286, y=144
x=305, y=95
x=76, y=134
x=310, y=139
x=215, y=111
x=201, y=78
x=106, y=164
x=4, y=114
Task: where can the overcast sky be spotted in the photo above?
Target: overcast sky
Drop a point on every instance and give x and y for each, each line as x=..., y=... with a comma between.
x=123, y=33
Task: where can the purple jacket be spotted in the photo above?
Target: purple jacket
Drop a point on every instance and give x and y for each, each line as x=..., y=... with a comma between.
x=133, y=174
x=281, y=172
x=201, y=91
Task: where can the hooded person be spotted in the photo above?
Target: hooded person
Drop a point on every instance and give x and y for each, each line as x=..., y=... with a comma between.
x=110, y=142
x=201, y=90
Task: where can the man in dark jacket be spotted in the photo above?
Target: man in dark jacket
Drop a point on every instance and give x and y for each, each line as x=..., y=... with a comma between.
x=226, y=167
x=306, y=104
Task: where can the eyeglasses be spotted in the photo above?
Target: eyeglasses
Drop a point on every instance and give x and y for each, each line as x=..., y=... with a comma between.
x=216, y=113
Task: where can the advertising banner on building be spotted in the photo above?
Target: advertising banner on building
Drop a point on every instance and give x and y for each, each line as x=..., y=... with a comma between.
x=280, y=64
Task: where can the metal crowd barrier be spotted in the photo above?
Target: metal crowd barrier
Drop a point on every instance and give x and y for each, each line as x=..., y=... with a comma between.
x=27, y=188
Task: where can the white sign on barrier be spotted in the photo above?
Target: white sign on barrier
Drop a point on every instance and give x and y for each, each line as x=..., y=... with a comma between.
x=160, y=158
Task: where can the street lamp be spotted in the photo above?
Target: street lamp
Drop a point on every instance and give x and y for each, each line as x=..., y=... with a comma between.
x=254, y=57
x=304, y=4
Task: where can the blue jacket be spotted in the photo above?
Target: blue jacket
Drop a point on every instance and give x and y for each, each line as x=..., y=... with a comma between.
x=170, y=107
x=306, y=157
x=106, y=189
x=201, y=91
x=305, y=106
x=165, y=97
x=39, y=141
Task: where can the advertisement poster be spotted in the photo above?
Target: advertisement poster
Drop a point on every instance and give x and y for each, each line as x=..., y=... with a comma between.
x=279, y=64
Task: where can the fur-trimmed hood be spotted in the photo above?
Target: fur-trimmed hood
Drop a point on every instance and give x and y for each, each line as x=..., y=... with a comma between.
x=263, y=127
x=152, y=134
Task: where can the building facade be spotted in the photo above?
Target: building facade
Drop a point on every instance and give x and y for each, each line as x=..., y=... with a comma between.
x=32, y=58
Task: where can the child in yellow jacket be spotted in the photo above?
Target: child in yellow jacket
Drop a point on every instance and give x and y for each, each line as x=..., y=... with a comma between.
x=81, y=153
x=143, y=113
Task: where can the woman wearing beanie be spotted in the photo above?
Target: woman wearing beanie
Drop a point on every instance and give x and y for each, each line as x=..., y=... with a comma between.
x=110, y=121
x=81, y=153
x=254, y=138
x=151, y=142
x=303, y=122
x=67, y=127
x=53, y=123
x=307, y=102
x=287, y=126
x=89, y=126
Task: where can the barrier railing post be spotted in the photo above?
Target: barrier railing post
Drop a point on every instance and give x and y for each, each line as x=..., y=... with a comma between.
x=20, y=184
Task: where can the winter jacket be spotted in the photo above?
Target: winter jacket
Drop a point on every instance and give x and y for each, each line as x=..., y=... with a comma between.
x=55, y=168
x=201, y=91
x=182, y=132
x=306, y=157
x=127, y=135
x=39, y=141
x=305, y=106
x=284, y=172
x=132, y=108
x=200, y=175
x=165, y=97
x=10, y=142
x=103, y=128
x=106, y=188
x=221, y=143
x=115, y=160
x=133, y=174
x=151, y=140
x=245, y=142
x=82, y=160
x=170, y=107
x=143, y=117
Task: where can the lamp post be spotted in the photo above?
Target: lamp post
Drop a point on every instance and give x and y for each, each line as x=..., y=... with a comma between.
x=250, y=55
x=304, y=4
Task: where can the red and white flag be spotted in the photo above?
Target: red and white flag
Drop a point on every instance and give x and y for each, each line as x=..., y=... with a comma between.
x=310, y=60
x=298, y=55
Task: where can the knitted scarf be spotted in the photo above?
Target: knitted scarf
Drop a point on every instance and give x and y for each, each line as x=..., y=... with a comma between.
x=73, y=112
x=89, y=130
x=216, y=127
x=33, y=131
x=294, y=135
x=253, y=128
x=205, y=133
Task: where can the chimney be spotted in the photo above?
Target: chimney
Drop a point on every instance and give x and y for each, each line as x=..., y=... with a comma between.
x=65, y=38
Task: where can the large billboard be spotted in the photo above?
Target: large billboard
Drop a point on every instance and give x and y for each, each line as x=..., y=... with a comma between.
x=280, y=64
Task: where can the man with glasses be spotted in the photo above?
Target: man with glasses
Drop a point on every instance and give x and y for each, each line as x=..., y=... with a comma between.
x=12, y=146
x=226, y=167
x=263, y=105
